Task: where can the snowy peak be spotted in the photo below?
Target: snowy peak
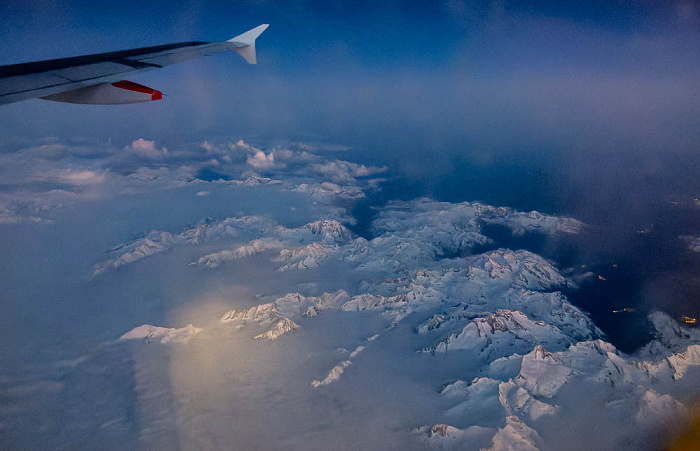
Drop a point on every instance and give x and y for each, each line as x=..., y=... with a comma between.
x=330, y=231
x=254, y=247
x=443, y=436
x=515, y=435
x=278, y=329
x=148, y=333
x=542, y=373
x=250, y=180
x=259, y=313
x=522, y=269
x=239, y=227
x=456, y=228
x=328, y=192
x=681, y=361
x=518, y=401
x=540, y=354
x=154, y=242
x=373, y=302
x=265, y=315
x=655, y=409
x=434, y=322
x=337, y=371
x=333, y=375
x=197, y=234
x=322, y=236
x=503, y=321
x=553, y=308
x=306, y=257
x=503, y=333
x=671, y=334
x=295, y=304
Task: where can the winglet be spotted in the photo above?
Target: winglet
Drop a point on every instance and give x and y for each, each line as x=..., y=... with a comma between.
x=245, y=43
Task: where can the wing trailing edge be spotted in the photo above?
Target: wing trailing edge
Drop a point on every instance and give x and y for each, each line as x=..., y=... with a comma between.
x=117, y=93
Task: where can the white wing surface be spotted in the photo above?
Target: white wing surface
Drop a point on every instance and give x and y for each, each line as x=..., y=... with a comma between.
x=99, y=78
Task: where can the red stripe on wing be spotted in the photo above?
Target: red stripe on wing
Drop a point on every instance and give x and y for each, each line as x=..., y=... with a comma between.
x=131, y=86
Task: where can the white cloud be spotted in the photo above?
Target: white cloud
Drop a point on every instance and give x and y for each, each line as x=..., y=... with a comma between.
x=100, y=169
x=146, y=149
x=240, y=144
x=261, y=161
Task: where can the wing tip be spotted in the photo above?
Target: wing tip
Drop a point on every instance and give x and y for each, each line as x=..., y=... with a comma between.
x=244, y=43
x=249, y=37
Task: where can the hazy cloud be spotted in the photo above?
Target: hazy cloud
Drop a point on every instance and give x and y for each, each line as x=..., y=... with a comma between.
x=164, y=176
x=207, y=146
x=693, y=242
x=344, y=172
x=86, y=177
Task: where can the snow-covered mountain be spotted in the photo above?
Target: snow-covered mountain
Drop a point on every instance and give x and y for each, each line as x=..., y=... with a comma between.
x=532, y=370
x=265, y=316
x=425, y=333
x=172, y=335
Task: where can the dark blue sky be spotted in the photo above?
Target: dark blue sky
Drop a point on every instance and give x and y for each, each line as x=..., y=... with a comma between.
x=329, y=68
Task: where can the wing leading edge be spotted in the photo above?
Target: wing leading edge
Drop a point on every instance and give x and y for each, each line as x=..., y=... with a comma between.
x=66, y=79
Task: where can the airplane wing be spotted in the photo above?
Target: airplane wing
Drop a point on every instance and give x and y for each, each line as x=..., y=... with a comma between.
x=99, y=79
